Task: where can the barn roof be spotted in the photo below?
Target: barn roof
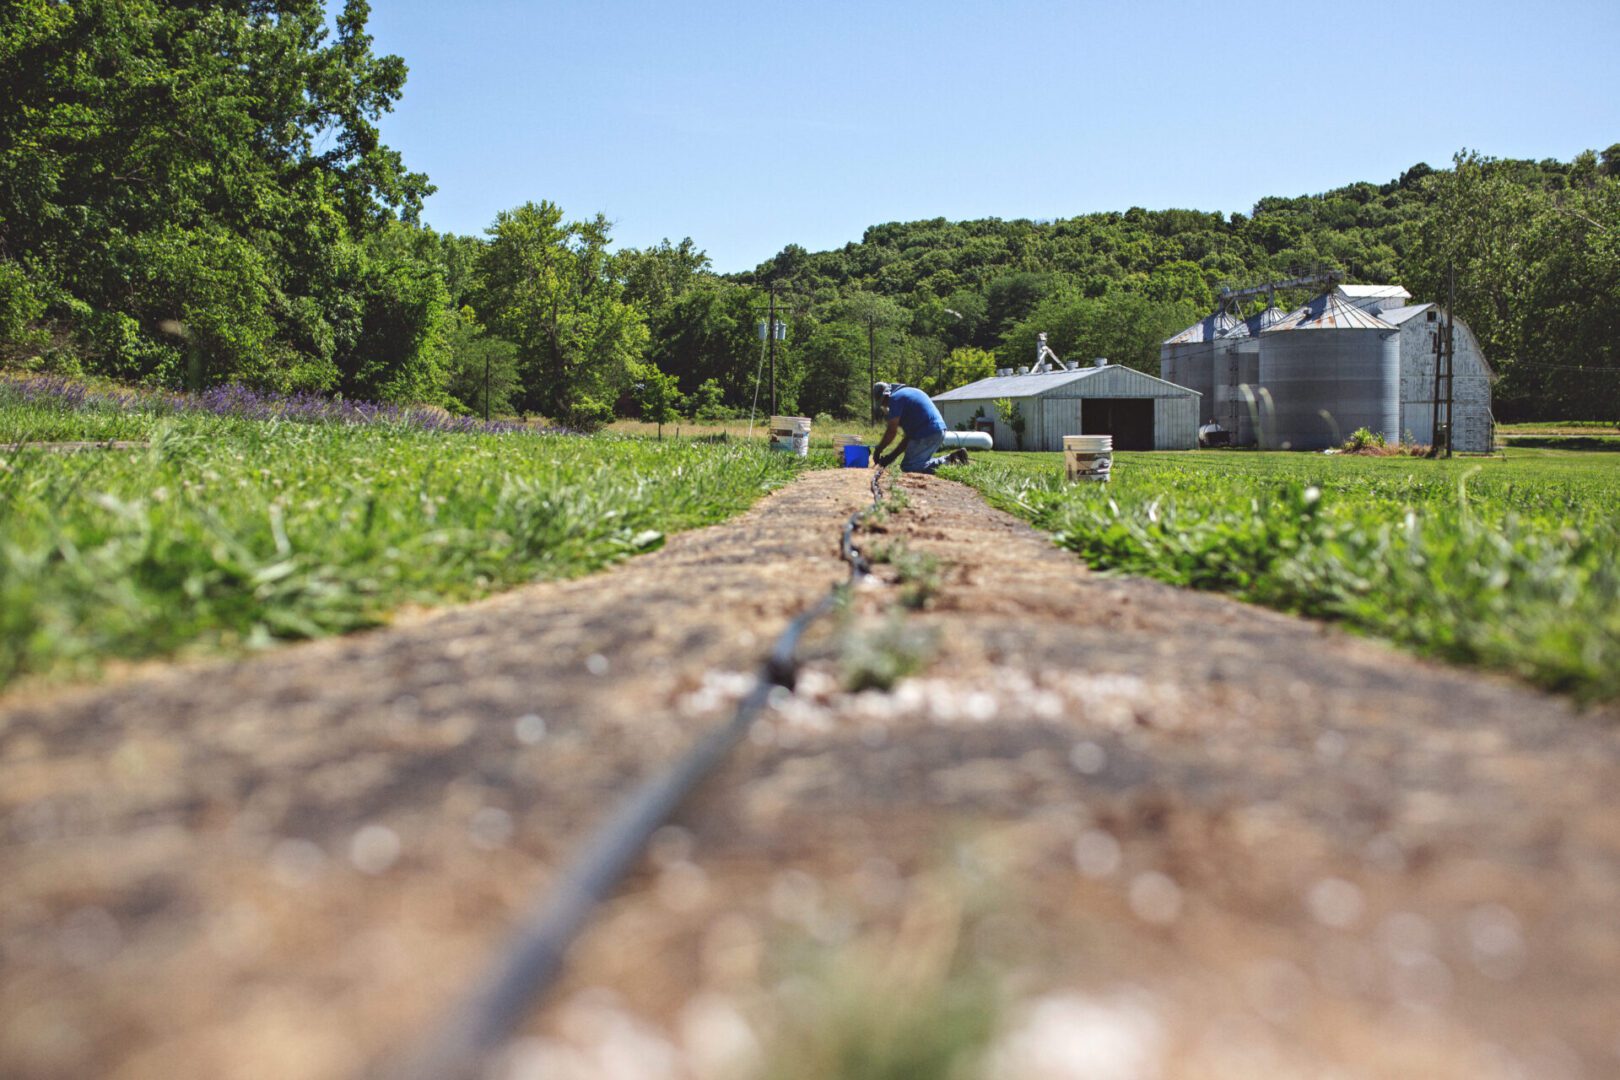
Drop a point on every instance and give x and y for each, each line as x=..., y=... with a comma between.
x=1026, y=386
x=1396, y=316
x=1016, y=386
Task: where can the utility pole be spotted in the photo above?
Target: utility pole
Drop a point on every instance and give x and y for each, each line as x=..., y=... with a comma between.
x=1451, y=345
x=1444, y=362
x=771, y=330
x=871, y=360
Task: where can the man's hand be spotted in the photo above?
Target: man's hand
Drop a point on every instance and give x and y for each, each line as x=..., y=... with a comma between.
x=888, y=437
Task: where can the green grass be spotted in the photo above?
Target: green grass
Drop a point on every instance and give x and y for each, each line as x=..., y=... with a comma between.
x=1503, y=562
x=228, y=532
x=1554, y=426
x=1585, y=443
x=29, y=422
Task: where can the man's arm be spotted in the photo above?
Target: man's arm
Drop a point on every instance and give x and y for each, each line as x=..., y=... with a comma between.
x=888, y=437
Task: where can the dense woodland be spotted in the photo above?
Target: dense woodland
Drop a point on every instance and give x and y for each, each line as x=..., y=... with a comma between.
x=194, y=193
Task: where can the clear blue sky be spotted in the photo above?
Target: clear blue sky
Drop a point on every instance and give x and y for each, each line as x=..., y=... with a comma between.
x=749, y=126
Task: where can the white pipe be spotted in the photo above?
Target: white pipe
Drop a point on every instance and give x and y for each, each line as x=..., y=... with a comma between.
x=968, y=440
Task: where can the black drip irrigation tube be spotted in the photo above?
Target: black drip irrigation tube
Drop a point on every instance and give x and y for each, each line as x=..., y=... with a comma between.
x=532, y=957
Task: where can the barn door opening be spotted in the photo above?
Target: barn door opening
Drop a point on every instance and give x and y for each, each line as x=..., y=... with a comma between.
x=1128, y=420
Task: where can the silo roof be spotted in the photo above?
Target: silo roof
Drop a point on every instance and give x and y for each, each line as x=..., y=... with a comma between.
x=1210, y=327
x=1330, y=312
x=1256, y=324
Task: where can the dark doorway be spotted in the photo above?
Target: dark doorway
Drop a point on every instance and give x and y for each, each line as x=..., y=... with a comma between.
x=1128, y=420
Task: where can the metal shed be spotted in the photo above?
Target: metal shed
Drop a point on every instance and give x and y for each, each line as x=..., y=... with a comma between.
x=1140, y=411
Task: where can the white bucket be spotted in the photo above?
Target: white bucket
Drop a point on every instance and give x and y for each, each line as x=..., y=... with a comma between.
x=1089, y=457
x=791, y=434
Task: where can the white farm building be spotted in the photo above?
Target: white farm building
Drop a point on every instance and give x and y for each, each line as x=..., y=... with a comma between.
x=1358, y=356
x=1138, y=410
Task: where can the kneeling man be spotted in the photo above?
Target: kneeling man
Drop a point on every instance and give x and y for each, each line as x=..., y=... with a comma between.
x=912, y=413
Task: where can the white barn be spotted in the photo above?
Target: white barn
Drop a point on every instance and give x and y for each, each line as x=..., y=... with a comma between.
x=1473, y=430
x=1138, y=410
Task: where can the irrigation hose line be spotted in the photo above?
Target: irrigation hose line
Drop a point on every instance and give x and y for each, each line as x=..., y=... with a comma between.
x=531, y=960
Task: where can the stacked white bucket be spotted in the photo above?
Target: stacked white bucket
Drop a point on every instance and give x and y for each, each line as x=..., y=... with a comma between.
x=791, y=434
x=1089, y=457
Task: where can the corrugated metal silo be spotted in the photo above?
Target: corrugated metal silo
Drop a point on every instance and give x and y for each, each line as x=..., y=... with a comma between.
x=1329, y=368
x=1237, y=375
x=1188, y=359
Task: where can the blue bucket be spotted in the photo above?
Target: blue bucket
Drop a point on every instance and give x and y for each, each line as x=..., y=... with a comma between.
x=857, y=457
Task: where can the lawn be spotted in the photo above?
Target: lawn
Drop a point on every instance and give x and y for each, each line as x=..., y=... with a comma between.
x=225, y=531
x=1506, y=562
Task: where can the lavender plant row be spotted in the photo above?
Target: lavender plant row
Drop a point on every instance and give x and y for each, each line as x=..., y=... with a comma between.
x=244, y=403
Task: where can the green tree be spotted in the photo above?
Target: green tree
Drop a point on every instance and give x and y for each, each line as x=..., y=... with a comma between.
x=961, y=367
x=877, y=315
x=482, y=369
x=397, y=350
x=835, y=361
x=1009, y=412
x=1179, y=282
x=709, y=333
x=656, y=276
x=1479, y=228
x=658, y=395
x=545, y=286
x=707, y=402
x=215, y=165
x=1125, y=327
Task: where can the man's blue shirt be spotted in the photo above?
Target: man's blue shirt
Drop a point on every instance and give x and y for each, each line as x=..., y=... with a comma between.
x=915, y=412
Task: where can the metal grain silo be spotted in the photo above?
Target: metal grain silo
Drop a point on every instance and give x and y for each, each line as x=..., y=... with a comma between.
x=1237, y=375
x=1188, y=359
x=1329, y=369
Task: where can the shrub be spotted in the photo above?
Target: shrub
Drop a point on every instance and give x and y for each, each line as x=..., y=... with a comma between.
x=1362, y=439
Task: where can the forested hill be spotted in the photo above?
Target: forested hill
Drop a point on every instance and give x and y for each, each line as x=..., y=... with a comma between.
x=1364, y=229
x=197, y=194
x=1532, y=243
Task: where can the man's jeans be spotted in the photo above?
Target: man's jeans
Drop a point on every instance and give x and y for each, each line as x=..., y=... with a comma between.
x=919, y=453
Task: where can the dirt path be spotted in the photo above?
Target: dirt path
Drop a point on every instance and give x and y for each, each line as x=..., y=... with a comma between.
x=1182, y=836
